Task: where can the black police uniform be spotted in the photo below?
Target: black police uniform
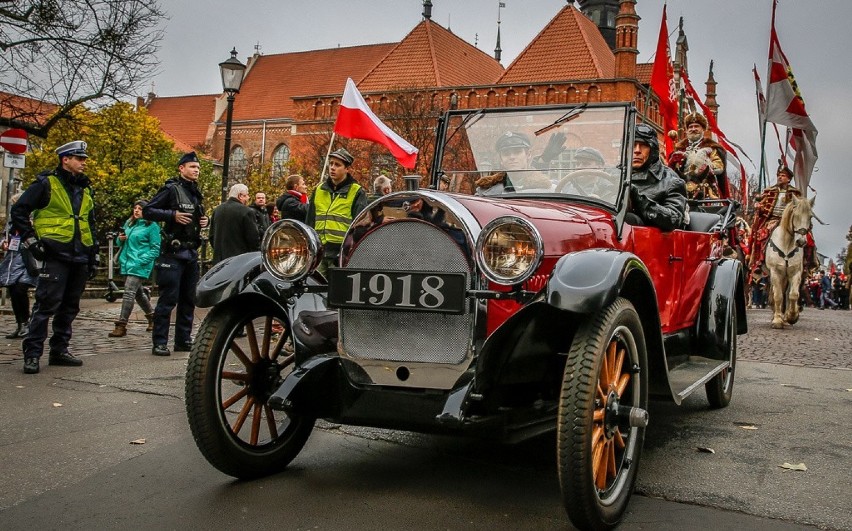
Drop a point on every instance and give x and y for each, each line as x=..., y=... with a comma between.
x=65, y=269
x=177, y=266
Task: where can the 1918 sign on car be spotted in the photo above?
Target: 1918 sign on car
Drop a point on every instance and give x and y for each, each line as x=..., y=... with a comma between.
x=528, y=308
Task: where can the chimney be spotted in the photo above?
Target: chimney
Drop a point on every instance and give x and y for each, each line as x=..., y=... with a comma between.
x=427, y=9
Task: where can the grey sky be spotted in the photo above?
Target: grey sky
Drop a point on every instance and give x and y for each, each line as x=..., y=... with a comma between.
x=733, y=33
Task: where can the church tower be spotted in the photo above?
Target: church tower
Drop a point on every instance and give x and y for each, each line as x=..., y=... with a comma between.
x=602, y=13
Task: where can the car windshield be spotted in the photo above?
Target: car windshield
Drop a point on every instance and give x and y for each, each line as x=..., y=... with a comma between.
x=572, y=151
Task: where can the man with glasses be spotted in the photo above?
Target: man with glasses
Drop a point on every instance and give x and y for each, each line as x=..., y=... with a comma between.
x=55, y=217
x=657, y=194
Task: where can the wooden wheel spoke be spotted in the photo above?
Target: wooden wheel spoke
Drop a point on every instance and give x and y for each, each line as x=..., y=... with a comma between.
x=612, y=368
x=600, y=460
x=601, y=394
x=235, y=376
x=251, y=335
x=267, y=336
x=622, y=384
x=270, y=422
x=235, y=397
x=604, y=376
x=619, y=440
x=279, y=346
x=619, y=365
x=241, y=418
x=238, y=352
x=598, y=416
x=611, y=469
x=255, y=424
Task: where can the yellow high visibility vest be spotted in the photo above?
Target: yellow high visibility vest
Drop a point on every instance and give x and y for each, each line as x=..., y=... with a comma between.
x=57, y=221
x=334, y=213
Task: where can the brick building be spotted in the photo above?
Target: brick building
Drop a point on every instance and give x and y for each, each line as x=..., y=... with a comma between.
x=283, y=116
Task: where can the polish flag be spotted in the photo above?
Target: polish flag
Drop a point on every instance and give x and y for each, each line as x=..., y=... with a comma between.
x=356, y=120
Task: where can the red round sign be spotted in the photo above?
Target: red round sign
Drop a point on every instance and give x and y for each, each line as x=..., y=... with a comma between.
x=14, y=141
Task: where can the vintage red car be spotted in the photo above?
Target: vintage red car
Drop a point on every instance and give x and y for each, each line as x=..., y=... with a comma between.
x=526, y=308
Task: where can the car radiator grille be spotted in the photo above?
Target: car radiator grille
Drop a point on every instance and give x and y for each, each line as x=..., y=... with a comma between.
x=399, y=335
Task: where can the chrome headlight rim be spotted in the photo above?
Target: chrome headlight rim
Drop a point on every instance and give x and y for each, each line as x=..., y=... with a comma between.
x=486, y=233
x=311, y=241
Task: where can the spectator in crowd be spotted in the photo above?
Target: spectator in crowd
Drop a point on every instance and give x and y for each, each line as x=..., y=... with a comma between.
x=55, y=217
x=233, y=229
x=261, y=212
x=16, y=276
x=381, y=186
x=657, y=194
x=293, y=203
x=178, y=205
x=138, y=249
x=333, y=206
x=825, y=285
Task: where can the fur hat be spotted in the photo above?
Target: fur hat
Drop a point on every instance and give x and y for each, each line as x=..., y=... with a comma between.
x=695, y=118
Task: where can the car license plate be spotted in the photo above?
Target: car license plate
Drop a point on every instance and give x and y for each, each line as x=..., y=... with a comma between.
x=397, y=290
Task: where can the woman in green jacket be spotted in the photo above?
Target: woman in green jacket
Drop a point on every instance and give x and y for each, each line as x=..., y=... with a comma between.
x=138, y=248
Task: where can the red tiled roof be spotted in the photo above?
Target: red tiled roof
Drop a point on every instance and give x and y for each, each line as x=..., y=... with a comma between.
x=273, y=80
x=431, y=56
x=25, y=109
x=570, y=47
x=643, y=72
x=184, y=118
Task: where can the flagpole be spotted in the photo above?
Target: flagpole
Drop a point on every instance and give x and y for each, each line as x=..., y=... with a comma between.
x=762, y=175
x=327, y=155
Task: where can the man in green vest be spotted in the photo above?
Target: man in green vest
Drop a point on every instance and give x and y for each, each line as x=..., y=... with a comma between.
x=56, y=219
x=335, y=203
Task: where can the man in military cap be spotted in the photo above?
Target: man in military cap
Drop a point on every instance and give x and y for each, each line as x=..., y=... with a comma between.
x=657, y=194
x=178, y=205
x=513, y=151
x=55, y=217
x=333, y=206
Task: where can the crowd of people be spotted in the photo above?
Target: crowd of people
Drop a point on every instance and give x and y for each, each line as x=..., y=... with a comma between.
x=51, y=243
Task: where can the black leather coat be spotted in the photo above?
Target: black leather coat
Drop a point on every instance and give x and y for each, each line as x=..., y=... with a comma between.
x=658, y=196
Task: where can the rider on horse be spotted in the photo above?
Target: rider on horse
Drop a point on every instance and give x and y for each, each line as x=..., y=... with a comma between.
x=767, y=214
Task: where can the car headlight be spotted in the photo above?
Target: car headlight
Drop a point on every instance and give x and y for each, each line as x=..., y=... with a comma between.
x=509, y=250
x=290, y=250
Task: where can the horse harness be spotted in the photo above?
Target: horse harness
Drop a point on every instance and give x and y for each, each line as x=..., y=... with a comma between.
x=788, y=256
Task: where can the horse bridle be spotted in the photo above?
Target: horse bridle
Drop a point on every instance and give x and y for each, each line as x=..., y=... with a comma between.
x=787, y=256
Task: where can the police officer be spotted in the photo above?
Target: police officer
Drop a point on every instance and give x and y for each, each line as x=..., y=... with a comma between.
x=62, y=235
x=178, y=206
x=334, y=205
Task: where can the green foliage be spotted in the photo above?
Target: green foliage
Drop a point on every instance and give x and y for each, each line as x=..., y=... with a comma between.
x=129, y=159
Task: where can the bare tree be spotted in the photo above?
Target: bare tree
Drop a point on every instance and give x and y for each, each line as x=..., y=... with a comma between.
x=58, y=54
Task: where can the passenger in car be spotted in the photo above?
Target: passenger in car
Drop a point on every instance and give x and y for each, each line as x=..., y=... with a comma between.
x=513, y=150
x=657, y=194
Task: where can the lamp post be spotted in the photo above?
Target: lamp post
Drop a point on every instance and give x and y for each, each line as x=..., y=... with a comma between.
x=232, y=77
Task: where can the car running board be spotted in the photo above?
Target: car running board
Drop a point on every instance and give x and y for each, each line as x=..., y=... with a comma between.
x=692, y=374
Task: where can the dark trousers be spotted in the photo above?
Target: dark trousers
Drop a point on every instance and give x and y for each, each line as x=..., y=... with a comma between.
x=176, y=279
x=57, y=295
x=18, y=294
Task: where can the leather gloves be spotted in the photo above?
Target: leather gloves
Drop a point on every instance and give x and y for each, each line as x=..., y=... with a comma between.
x=554, y=147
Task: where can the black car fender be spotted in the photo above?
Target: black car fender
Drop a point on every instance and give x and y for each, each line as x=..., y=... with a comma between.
x=226, y=279
x=723, y=293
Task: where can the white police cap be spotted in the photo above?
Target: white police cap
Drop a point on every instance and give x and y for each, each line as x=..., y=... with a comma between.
x=76, y=148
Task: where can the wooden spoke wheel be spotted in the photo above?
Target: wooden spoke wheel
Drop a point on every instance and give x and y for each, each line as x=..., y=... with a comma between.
x=602, y=416
x=241, y=356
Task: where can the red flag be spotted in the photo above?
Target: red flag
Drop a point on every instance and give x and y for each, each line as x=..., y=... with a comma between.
x=662, y=83
x=355, y=119
x=785, y=106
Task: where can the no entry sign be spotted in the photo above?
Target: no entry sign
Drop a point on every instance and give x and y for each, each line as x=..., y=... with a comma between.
x=14, y=141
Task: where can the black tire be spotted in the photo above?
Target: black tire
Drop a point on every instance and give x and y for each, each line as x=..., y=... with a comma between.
x=237, y=361
x=110, y=297
x=720, y=388
x=590, y=433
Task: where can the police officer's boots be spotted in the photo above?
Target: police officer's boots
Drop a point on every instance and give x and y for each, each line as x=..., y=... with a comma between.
x=120, y=329
x=150, y=317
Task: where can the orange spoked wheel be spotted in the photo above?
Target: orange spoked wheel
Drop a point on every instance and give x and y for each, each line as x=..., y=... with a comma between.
x=602, y=416
x=241, y=356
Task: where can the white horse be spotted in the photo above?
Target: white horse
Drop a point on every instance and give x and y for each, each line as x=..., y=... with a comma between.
x=785, y=259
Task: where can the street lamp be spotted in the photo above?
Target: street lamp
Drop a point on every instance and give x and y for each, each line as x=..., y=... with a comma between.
x=232, y=77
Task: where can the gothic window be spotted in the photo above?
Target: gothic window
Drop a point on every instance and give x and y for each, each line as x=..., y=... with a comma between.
x=238, y=164
x=317, y=109
x=280, y=157
x=572, y=95
x=471, y=100
x=492, y=98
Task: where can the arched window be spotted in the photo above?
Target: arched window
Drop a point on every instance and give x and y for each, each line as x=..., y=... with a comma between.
x=510, y=98
x=238, y=164
x=550, y=96
x=280, y=157
x=472, y=102
x=572, y=96
x=491, y=99
x=317, y=109
x=530, y=97
x=594, y=94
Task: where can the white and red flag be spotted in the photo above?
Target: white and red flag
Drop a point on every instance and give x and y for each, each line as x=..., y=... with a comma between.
x=355, y=119
x=662, y=83
x=785, y=106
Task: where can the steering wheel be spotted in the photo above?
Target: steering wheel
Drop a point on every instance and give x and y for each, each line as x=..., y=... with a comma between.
x=588, y=173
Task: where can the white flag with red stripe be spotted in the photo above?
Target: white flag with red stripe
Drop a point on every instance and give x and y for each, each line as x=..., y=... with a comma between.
x=355, y=119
